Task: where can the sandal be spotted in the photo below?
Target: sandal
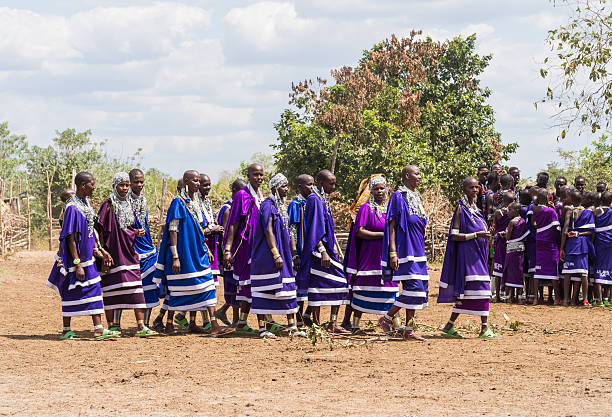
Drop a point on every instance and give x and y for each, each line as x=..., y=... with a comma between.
x=115, y=329
x=221, y=315
x=183, y=323
x=146, y=332
x=158, y=326
x=246, y=330
x=411, y=335
x=170, y=330
x=276, y=328
x=452, y=333
x=607, y=303
x=488, y=335
x=586, y=304
x=69, y=335
x=107, y=334
x=267, y=335
x=385, y=325
x=223, y=331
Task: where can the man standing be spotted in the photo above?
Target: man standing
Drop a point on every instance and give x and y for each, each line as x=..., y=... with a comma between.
x=239, y=235
x=320, y=270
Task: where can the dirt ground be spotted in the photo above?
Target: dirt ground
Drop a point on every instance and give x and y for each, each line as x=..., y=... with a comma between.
x=558, y=363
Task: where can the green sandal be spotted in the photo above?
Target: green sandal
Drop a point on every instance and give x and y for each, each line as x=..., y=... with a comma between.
x=246, y=330
x=607, y=303
x=183, y=323
x=146, y=332
x=276, y=328
x=207, y=326
x=107, y=334
x=452, y=333
x=488, y=335
x=69, y=335
x=115, y=329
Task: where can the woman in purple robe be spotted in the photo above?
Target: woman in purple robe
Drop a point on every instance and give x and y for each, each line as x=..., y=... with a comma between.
x=515, y=235
x=239, y=234
x=546, y=223
x=74, y=275
x=273, y=286
x=465, y=277
x=603, y=250
x=321, y=273
x=403, y=255
x=363, y=255
x=121, y=284
x=501, y=221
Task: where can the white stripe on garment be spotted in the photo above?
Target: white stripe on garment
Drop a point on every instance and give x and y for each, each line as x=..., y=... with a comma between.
x=369, y=273
x=188, y=275
x=414, y=293
x=553, y=277
x=603, y=228
x=472, y=312
x=195, y=307
x=548, y=226
x=256, y=294
x=87, y=283
x=408, y=259
x=271, y=311
x=148, y=272
x=409, y=277
x=368, y=310
x=327, y=290
x=470, y=278
x=124, y=306
x=53, y=287
x=472, y=293
x=83, y=264
x=587, y=226
x=147, y=254
x=192, y=289
x=374, y=289
x=287, y=294
x=328, y=276
x=575, y=271
x=373, y=299
x=121, y=268
x=336, y=264
x=82, y=301
x=122, y=285
x=327, y=303
x=411, y=306
x=265, y=276
x=122, y=292
x=518, y=239
x=151, y=287
x=268, y=287
x=83, y=313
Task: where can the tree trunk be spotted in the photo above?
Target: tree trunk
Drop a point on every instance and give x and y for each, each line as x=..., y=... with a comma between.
x=27, y=184
x=335, y=155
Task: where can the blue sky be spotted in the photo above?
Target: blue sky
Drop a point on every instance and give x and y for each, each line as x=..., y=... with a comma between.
x=199, y=84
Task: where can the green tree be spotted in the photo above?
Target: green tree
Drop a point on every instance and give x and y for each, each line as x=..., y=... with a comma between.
x=594, y=163
x=13, y=149
x=577, y=70
x=418, y=102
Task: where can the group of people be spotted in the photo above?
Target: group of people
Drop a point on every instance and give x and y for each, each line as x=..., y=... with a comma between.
x=275, y=258
x=561, y=240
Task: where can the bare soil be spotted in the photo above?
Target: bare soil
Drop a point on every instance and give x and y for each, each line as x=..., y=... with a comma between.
x=557, y=363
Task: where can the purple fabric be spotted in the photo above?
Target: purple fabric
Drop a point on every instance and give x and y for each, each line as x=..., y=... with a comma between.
x=547, y=243
x=122, y=285
x=499, y=256
x=603, y=248
x=230, y=288
x=513, y=265
x=464, y=272
x=364, y=256
x=580, y=245
x=325, y=286
x=243, y=213
x=547, y=224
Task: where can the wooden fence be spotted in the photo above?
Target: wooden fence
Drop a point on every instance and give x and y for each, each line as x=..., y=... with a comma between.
x=15, y=216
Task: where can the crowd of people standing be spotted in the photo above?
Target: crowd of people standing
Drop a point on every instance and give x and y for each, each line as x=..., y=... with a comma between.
x=274, y=258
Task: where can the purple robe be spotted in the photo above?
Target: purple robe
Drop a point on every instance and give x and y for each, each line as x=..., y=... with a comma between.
x=499, y=255
x=370, y=293
x=577, y=249
x=230, y=285
x=530, y=251
x=465, y=278
x=122, y=284
x=410, y=248
x=603, y=248
x=79, y=298
x=243, y=213
x=325, y=286
x=515, y=252
x=273, y=290
x=547, y=243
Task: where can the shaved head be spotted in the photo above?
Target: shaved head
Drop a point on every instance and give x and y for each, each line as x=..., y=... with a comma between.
x=204, y=177
x=187, y=175
x=409, y=169
x=304, y=179
x=254, y=167
x=468, y=181
x=324, y=175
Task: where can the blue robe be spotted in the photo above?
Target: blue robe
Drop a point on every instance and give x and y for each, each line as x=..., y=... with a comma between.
x=296, y=211
x=147, y=252
x=193, y=288
x=325, y=286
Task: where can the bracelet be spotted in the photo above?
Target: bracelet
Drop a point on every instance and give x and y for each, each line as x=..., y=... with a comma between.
x=392, y=255
x=275, y=253
x=173, y=251
x=277, y=256
x=470, y=236
x=228, y=248
x=321, y=249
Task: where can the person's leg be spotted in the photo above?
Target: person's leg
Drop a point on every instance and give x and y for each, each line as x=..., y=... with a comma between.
x=483, y=325
x=497, y=288
x=308, y=316
x=139, y=315
x=348, y=310
x=451, y=322
x=566, y=289
x=262, y=320
x=355, y=327
x=556, y=290
x=535, y=283
x=386, y=322
x=110, y=318
x=170, y=322
x=316, y=315
x=193, y=327
x=585, y=289
x=575, y=292
x=97, y=322
x=235, y=316
x=66, y=325
x=147, y=316
x=409, y=332
x=206, y=318
x=300, y=314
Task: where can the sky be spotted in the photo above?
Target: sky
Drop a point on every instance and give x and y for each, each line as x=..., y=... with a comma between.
x=199, y=84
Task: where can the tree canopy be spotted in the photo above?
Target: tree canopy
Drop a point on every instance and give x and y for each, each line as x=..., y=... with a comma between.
x=578, y=67
x=408, y=101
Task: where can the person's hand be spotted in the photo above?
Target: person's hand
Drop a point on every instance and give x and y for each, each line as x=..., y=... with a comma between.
x=227, y=259
x=325, y=260
x=79, y=272
x=217, y=229
x=502, y=234
x=483, y=233
x=562, y=255
x=278, y=262
x=394, y=263
x=176, y=266
x=296, y=261
x=140, y=232
x=107, y=260
x=572, y=234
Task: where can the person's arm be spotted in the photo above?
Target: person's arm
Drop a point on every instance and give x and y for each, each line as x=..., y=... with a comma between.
x=365, y=234
x=229, y=241
x=269, y=234
x=393, y=258
x=72, y=247
x=176, y=263
x=509, y=229
x=564, y=235
x=463, y=237
x=293, y=245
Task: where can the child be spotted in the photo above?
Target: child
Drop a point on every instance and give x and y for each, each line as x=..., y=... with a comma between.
x=499, y=255
x=546, y=222
x=603, y=249
x=526, y=201
x=515, y=236
x=575, y=247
